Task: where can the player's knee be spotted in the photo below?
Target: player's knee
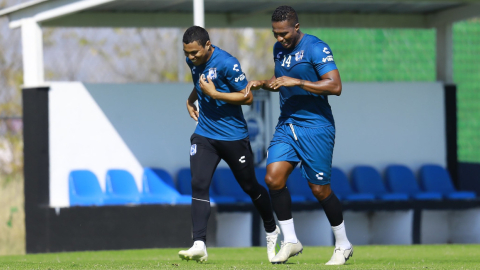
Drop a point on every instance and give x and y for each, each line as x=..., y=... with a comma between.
x=321, y=192
x=274, y=183
x=199, y=186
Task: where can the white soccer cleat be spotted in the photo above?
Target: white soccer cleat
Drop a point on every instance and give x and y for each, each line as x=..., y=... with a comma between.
x=197, y=252
x=271, y=243
x=340, y=256
x=286, y=251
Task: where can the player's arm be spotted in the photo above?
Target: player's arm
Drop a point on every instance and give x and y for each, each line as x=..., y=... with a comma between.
x=330, y=84
x=236, y=98
x=191, y=107
x=262, y=84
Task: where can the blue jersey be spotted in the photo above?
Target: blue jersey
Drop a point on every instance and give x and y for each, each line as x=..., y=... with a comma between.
x=309, y=60
x=220, y=120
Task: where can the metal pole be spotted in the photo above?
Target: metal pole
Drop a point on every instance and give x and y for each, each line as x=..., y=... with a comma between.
x=198, y=13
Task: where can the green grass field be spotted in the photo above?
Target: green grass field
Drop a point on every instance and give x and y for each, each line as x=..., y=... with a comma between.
x=365, y=257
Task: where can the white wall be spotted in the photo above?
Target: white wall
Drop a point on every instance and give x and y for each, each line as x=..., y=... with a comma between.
x=127, y=126
x=383, y=123
x=132, y=126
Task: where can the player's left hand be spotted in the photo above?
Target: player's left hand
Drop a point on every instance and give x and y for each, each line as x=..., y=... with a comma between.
x=207, y=86
x=284, y=81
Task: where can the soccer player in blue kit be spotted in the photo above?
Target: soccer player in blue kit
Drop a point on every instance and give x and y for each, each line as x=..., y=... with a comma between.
x=305, y=74
x=221, y=133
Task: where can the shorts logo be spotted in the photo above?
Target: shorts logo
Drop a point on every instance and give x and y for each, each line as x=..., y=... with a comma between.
x=193, y=149
x=242, y=159
x=319, y=176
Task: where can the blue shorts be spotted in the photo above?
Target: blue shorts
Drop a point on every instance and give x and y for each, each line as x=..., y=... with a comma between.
x=312, y=146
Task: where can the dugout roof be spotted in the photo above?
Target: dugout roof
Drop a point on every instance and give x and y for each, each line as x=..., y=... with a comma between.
x=31, y=16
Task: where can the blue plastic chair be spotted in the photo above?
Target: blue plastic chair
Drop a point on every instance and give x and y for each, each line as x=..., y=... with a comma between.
x=84, y=189
x=298, y=187
x=343, y=190
x=435, y=178
x=154, y=186
x=366, y=179
x=163, y=175
x=400, y=179
x=184, y=184
x=120, y=184
x=225, y=184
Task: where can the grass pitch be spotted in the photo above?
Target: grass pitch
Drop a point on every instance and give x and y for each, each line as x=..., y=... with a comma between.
x=365, y=257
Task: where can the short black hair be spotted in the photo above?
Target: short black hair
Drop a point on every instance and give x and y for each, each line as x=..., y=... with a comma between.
x=285, y=13
x=196, y=33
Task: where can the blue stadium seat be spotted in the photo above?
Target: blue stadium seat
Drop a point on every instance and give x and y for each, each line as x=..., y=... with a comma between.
x=343, y=190
x=434, y=178
x=163, y=175
x=366, y=179
x=155, y=186
x=298, y=187
x=120, y=184
x=84, y=189
x=184, y=184
x=225, y=184
x=400, y=179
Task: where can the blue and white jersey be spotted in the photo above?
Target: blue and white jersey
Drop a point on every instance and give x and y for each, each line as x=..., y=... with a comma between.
x=220, y=120
x=309, y=60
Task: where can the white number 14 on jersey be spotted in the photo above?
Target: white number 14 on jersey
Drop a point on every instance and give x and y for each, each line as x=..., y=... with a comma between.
x=286, y=60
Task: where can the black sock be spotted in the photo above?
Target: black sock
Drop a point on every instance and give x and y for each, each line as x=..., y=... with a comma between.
x=333, y=209
x=282, y=203
x=264, y=207
x=200, y=214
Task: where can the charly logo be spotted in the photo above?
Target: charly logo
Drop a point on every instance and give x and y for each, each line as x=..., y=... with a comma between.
x=235, y=67
x=193, y=70
x=212, y=73
x=193, y=149
x=279, y=55
x=326, y=51
x=319, y=176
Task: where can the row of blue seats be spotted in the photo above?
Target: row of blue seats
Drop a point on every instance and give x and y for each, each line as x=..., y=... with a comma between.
x=366, y=185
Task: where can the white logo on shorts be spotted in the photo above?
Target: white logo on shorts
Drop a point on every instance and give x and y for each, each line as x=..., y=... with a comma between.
x=193, y=149
x=242, y=159
x=319, y=176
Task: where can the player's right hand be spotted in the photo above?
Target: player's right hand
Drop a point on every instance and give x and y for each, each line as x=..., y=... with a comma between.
x=253, y=85
x=192, y=110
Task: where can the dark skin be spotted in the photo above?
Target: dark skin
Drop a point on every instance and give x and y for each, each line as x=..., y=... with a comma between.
x=289, y=35
x=199, y=55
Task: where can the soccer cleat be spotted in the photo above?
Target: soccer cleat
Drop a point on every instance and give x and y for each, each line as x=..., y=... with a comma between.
x=340, y=256
x=271, y=243
x=197, y=252
x=286, y=251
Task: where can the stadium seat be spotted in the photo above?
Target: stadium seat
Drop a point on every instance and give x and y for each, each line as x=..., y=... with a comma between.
x=434, y=178
x=343, y=190
x=225, y=184
x=155, y=186
x=163, y=175
x=298, y=187
x=184, y=184
x=84, y=189
x=400, y=179
x=120, y=184
x=260, y=174
x=366, y=179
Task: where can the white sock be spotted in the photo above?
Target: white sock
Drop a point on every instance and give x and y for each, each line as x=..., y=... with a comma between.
x=288, y=230
x=199, y=243
x=271, y=233
x=341, y=240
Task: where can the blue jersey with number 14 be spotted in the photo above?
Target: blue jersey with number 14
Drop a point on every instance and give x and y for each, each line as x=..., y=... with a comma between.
x=309, y=60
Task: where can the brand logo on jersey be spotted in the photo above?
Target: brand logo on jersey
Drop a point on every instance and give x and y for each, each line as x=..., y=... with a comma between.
x=279, y=55
x=212, y=73
x=242, y=159
x=193, y=70
x=319, y=176
x=299, y=56
x=325, y=50
x=240, y=78
x=328, y=58
x=235, y=68
x=193, y=149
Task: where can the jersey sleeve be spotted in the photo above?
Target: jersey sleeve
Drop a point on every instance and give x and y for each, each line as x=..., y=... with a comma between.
x=322, y=58
x=234, y=76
